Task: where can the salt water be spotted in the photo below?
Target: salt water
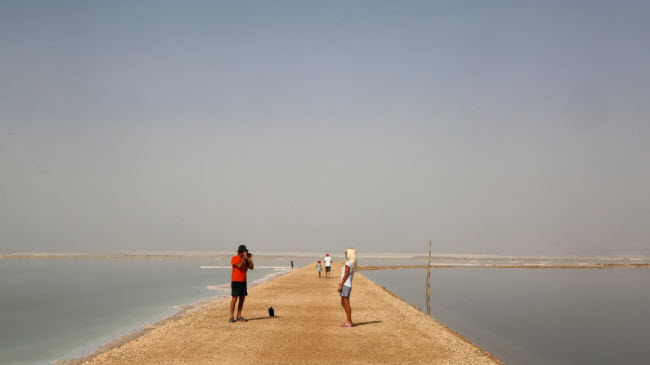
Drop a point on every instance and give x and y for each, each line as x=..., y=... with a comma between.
x=53, y=309
x=538, y=316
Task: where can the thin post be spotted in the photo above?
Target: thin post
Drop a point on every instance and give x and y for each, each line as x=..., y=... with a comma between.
x=429, y=283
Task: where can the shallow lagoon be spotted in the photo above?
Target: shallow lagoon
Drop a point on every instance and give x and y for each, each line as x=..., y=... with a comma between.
x=60, y=308
x=53, y=309
x=538, y=316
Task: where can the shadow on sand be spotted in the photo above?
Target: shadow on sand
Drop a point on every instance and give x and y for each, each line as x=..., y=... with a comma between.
x=364, y=323
x=258, y=318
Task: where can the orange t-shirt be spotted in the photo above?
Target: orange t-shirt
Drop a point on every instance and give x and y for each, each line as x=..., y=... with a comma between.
x=238, y=274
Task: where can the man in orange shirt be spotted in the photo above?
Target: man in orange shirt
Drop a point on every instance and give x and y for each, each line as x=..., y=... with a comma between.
x=240, y=265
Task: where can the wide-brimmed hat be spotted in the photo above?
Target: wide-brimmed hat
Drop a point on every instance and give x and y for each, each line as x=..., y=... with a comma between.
x=242, y=248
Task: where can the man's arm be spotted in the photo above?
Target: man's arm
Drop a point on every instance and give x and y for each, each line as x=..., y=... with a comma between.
x=241, y=264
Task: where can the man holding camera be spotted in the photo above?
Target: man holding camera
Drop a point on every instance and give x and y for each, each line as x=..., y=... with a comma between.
x=240, y=265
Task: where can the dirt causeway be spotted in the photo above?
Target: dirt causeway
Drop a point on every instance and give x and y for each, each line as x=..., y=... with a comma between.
x=305, y=330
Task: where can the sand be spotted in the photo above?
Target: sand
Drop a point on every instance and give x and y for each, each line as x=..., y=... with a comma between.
x=306, y=330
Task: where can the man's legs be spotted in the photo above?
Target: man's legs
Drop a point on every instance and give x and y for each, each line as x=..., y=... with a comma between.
x=345, y=303
x=232, y=307
x=240, y=307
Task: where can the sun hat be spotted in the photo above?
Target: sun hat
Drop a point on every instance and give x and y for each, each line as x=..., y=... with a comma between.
x=327, y=254
x=242, y=248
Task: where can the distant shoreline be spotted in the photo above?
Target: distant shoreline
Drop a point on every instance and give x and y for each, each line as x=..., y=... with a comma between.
x=498, y=266
x=141, y=255
x=315, y=255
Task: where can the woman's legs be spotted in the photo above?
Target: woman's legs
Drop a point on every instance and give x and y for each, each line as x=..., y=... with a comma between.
x=345, y=303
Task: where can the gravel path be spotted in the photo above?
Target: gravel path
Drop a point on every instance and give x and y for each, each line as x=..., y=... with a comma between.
x=305, y=330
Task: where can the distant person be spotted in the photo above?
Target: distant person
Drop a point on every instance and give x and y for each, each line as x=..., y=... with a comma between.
x=240, y=265
x=345, y=287
x=318, y=268
x=328, y=265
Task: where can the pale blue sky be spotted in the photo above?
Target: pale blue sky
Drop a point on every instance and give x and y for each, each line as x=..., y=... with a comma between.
x=488, y=127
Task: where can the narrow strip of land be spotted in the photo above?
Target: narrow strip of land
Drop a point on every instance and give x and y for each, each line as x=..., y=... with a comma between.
x=306, y=330
x=504, y=266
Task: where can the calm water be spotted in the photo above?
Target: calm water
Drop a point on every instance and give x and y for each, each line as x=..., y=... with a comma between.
x=52, y=309
x=526, y=316
x=60, y=308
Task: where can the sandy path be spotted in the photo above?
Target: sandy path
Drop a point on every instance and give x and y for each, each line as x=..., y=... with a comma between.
x=305, y=330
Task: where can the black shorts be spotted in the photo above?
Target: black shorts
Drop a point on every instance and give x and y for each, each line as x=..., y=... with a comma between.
x=328, y=268
x=238, y=288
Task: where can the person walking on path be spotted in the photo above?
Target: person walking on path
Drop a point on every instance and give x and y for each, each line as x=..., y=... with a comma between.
x=345, y=287
x=328, y=265
x=240, y=263
x=318, y=268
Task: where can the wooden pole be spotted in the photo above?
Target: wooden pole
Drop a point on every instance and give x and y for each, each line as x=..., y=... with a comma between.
x=429, y=283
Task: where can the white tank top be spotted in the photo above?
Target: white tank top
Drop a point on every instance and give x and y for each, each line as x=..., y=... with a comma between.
x=348, y=282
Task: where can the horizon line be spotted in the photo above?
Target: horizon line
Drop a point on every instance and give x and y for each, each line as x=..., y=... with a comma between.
x=297, y=254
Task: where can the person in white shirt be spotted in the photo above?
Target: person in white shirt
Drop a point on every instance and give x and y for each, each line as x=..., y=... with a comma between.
x=345, y=287
x=328, y=265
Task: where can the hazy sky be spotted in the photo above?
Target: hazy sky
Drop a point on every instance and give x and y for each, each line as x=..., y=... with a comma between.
x=513, y=127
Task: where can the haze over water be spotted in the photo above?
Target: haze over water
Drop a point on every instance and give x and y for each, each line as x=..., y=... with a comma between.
x=488, y=127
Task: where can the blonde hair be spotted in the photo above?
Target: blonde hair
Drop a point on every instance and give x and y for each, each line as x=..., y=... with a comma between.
x=352, y=256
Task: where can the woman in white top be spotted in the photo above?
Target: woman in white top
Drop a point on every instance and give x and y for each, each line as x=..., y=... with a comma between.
x=345, y=287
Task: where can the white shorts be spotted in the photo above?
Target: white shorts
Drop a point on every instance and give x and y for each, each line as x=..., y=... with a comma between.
x=345, y=292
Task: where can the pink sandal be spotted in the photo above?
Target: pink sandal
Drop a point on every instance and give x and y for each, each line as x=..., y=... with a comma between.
x=346, y=325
